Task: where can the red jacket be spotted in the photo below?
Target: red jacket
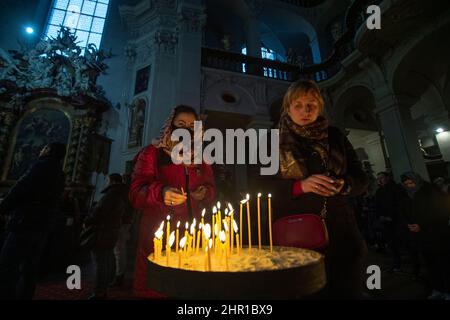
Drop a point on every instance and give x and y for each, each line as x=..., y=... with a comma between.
x=152, y=172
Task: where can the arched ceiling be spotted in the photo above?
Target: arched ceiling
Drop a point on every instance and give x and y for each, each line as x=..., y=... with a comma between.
x=355, y=109
x=427, y=62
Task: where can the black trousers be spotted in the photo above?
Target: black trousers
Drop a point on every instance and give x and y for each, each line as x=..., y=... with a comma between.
x=345, y=256
x=105, y=269
x=438, y=264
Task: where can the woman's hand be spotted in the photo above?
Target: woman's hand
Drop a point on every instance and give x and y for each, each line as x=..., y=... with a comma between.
x=321, y=185
x=173, y=197
x=199, y=193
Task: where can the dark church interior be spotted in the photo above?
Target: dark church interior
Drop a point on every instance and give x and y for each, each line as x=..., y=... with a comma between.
x=351, y=97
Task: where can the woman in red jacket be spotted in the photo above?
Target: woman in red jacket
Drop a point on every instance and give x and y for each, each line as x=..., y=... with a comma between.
x=160, y=187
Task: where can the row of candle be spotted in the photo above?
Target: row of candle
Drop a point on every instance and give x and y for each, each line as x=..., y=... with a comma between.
x=216, y=240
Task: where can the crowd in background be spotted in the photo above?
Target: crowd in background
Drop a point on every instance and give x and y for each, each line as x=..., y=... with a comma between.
x=409, y=222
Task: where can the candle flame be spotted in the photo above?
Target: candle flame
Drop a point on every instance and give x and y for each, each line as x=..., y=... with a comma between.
x=182, y=242
x=230, y=206
x=226, y=211
x=210, y=243
x=222, y=236
x=194, y=222
x=178, y=224
x=168, y=217
x=244, y=201
x=186, y=225
x=214, y=210
x=235, y=226
x=200, y=226
x=161, y=226
x=247, y=196
x=159, y=234
x=225, y=225
x=218, y=205
x=192, y=228
x=259, y=195
x=207, y=231
x=203, y=212
x=171, y=238
x=270, y=195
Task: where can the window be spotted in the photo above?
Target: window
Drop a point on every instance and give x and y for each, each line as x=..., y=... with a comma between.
x=270, y=55
x=85, y=17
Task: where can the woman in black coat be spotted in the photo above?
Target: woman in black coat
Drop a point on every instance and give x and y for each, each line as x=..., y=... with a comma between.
x=319, y=170
x=429, y=219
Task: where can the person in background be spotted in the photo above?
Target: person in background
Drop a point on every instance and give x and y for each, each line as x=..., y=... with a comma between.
x=106, y=219
x=33, y=204
x=430, y=217
x=120, y=250
x=388, y=199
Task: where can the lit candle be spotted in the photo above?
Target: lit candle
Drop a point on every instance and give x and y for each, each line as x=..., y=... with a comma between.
x=219, y=216
x=259, y=220
x=235, y=229
x=214, y=226
x=238, y=244
x=231, y=227
x=249, y=225
x=159, y=235
x=216, y=237
x=167, y=229
x=208, y=249
x=240, y=219
x=270, y=220
x=169, y=246
x=223, y=240
x=182, y=244
x=192, y=234
x=199, y=233
x=203, y=217
x=227, y=223
x=207, y=233
x=226, y=233
x=177, y=237
x=186, y=234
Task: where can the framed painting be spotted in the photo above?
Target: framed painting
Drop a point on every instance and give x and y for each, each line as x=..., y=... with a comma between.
x=142, y=79
x=36, y=129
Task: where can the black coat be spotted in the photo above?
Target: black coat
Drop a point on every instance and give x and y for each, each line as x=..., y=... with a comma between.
x=353, y=173
x=388, y=199
x=431, y=211
x=347, y=247
x=107, y=216
x=34, y=200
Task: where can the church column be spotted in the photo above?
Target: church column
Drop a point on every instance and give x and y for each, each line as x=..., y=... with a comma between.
x=401, y=138
x=192, y=19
